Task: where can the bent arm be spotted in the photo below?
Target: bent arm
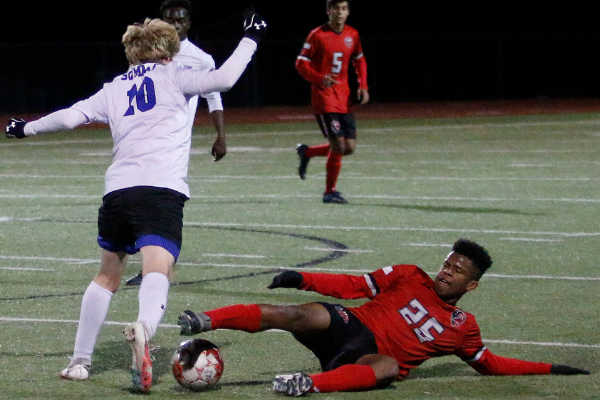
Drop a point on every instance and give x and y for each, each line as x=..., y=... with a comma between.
x=360, y=65
x=307, y=72
x=194, y=82
x=68, y=118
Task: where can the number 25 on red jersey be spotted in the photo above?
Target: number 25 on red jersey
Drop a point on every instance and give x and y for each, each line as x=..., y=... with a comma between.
x=413, y=314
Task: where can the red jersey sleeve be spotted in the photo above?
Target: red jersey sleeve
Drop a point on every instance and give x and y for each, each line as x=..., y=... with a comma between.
x=474, y=353
x=357, y=287
x=360, y=65
x=335, y=285
x=487, y=363
x=303, y=61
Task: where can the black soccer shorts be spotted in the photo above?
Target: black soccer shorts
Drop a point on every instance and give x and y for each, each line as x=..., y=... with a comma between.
x=132, y=218
x=337, y=124
x=345, y=340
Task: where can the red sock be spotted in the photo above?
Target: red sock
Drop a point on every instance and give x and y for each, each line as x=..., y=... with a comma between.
x=239, y=317
x=320, y=150
x=333, y=167
x=345, y=378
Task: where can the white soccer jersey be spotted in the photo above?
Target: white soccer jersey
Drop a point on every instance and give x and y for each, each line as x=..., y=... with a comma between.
x=191, y=55
x=147, y=109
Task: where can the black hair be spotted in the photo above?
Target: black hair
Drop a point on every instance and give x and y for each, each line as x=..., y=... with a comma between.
x=187, y=4
x=474, y=252
x=331, y=3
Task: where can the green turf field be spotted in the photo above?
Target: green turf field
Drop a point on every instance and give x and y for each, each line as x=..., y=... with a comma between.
x=524, y=187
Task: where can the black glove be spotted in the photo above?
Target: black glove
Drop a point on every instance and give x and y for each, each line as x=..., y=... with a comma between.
x=566, y=370
x=15, y=128
x=254, y=26
x=287, y=279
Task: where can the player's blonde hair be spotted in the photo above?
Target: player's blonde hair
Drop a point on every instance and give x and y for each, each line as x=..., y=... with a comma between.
x=152, y=41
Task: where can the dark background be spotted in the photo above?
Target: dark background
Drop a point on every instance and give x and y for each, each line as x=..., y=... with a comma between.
x=56, y=53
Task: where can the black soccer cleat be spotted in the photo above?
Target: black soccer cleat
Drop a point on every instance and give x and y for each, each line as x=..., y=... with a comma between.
x=301, y=149
x=192, y=323
x=135, y=281
x=334, y=197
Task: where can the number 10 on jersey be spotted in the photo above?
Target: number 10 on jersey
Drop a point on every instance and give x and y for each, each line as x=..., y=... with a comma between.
x=145, y=97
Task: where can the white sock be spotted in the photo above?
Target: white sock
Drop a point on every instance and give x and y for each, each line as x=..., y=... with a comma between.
x=94, y=307
x=153, y=301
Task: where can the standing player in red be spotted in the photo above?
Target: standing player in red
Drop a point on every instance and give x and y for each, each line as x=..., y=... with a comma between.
x=324, y=62
x=409, y=319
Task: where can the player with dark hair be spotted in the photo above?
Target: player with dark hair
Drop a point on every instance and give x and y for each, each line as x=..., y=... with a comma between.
x=178, y=14
x=409, y=319
x=324, y=62
x=145, y=186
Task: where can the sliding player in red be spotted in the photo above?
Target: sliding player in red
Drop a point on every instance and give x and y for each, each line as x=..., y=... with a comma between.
x=409, y=319
x=324, y=62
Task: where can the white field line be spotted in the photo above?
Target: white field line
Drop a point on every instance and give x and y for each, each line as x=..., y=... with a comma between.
x=28, y=269
x=428, y=128
x=234, y=255
x=517, y=239
x=53, y=259
x=116, y=323
x=514, y=164
x=365, y=228
x=341, y=250
x=49, y=196
x=369, y=178
x=345, y=270
x=309, y=196
x=386, y=131
x=396, y=229
x=426, y=244
x=25, y=176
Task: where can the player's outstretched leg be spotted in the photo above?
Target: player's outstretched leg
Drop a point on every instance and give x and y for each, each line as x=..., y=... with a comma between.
x=192, y=323
x=77, y=370
x=301, y=150
x=141, y=366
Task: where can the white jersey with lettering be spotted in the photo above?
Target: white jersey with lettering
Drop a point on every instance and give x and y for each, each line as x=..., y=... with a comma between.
x=147, y=109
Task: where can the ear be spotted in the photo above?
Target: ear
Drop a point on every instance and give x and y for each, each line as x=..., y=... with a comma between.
x=472, y=285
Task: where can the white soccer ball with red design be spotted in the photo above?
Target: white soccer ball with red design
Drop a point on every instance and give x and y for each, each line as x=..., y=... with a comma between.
x=197, y=364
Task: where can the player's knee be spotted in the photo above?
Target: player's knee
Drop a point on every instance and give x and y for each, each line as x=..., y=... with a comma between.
x=387, y=374
x=287, y=316
x=348, y=150
x=108, y=281
x=296, y=315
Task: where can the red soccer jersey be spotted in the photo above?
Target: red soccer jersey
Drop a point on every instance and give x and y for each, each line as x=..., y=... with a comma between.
x=412, y=324
x=327, y=52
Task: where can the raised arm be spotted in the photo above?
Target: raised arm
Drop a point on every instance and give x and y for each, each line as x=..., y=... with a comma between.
x=221, y=80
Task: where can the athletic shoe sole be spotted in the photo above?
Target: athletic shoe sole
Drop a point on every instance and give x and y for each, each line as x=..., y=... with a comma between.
x=141, y=365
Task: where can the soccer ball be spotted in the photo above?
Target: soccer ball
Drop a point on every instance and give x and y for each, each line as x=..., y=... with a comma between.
x=197, y=364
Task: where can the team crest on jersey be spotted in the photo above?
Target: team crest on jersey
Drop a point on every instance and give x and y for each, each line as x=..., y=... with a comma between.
x=343, y=314
x=349, y=42
x=458, y=318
